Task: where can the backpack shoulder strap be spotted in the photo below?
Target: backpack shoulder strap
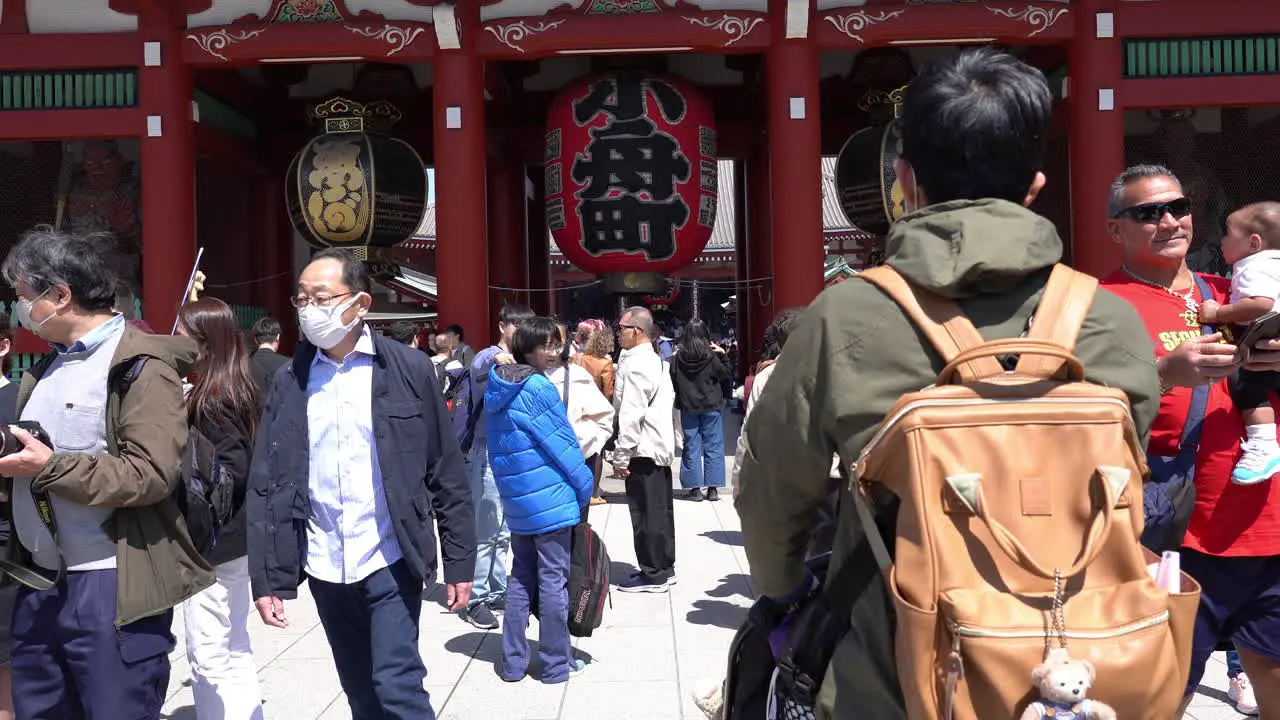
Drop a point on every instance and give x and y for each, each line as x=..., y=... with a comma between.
x=119, y=382
x=939, y=318
x=1063, y=306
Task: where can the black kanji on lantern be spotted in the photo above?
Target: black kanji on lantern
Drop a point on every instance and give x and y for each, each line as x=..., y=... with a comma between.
x=630, y=169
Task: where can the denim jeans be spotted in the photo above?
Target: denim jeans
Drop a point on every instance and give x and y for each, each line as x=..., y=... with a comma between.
x=538, y=562
x=702, y=462
x=493, y=540
x=1234, y=667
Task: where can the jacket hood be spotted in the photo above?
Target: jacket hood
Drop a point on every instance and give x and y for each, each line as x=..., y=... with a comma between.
x=972, y=247
x=692, y=365
x=174, y=350
x=505, y=383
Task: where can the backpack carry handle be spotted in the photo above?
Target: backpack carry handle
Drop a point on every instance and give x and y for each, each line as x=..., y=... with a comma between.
x=1015, y=346
x=969, y=488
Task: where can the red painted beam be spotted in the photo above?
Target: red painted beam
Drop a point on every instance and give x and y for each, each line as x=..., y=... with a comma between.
x=62, y=124
x=1014, y=23
x=526, y=38
x=1245, y=90
x=1195, y=18
x=64, y=52
x=237, y=45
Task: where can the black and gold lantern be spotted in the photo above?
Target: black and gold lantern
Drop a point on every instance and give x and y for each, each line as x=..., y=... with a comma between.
x=356, y=187
x=866, y=181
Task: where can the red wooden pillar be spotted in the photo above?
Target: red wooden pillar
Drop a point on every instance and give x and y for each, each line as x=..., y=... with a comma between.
x=461, y=239
x=1097, y=134
x=742, y=324
x=757, y=299
x=168, y=164
x=795, y=160
x=539, y=247
x=508, y=265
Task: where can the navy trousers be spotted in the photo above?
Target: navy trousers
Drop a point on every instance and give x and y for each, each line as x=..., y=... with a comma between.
x=372, y=627
x=71, y=663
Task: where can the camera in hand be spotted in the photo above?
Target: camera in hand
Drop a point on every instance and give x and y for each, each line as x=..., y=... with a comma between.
x=10, y=444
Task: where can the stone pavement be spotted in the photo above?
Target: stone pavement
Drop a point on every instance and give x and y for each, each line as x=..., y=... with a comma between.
x=642, y=663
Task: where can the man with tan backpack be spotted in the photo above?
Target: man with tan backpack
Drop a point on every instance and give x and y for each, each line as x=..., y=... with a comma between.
x=993, y=465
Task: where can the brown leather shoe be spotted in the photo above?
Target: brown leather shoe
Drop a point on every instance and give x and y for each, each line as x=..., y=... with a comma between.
x=598, y=501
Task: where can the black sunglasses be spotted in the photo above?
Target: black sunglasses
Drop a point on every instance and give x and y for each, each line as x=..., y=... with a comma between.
x=1152, y=212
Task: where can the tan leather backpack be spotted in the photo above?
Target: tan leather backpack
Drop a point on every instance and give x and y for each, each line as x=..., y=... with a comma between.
x=1017, y=533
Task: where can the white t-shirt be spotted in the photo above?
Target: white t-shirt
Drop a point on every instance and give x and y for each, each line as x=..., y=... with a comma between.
x=1256, y=276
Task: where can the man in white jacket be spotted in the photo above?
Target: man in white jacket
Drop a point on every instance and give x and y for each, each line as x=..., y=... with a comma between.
x=645, y=400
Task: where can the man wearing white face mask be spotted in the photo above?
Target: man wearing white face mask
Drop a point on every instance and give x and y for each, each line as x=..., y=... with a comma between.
x=94, y=527
x=355, y=434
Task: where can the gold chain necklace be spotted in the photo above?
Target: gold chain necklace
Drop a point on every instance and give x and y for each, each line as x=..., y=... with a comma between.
x=1192, y=315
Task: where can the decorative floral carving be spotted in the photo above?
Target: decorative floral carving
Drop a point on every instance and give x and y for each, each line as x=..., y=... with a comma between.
x=218, y=40
x=510, y=34
x=854, y=22
x=1037, y=17
x=733, y=26
x=398, y=37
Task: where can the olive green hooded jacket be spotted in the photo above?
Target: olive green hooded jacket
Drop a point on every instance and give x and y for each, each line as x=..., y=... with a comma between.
x=854, y=353
x=157, y=566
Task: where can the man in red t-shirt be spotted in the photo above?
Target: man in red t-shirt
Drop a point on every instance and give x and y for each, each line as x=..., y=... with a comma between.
x=1232, y=546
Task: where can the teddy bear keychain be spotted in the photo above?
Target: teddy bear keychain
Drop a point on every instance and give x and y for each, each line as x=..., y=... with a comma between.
x=1063, y=684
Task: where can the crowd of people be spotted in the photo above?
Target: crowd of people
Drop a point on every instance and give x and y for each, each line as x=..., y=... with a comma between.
x=362, y=458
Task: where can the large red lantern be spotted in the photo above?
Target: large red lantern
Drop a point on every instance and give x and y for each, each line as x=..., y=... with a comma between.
x=631, y=176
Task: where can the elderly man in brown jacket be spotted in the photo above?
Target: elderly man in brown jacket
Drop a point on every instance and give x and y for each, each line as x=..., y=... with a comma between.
x=102, y=553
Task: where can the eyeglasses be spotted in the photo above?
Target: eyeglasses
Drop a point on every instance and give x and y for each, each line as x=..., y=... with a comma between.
x=622, y=327
x=1152, y=212
x=301, y=301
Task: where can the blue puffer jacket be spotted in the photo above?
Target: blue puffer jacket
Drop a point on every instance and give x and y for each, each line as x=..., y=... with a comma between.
x=533, y=452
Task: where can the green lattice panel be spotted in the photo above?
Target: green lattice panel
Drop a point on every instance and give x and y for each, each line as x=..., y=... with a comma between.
x=1202, y=57
x=68, y=89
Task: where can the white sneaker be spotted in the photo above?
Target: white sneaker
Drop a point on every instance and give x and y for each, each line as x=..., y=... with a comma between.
x=1258, y=462
x=1241, y=693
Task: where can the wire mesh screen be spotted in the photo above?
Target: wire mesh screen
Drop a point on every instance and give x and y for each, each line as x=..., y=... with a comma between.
x=1225, y=158
x=81, y=186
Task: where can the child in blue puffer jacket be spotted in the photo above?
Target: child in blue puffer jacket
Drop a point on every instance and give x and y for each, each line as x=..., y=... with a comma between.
x=544, y=484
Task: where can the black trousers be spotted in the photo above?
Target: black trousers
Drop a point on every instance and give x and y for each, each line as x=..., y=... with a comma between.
x=1252, y=390
x=653, y=518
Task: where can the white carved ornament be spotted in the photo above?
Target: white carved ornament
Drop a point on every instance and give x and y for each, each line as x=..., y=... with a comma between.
x=1037, y=17
x=733, y=26
x=218, y=40
x=398, y=38
x=854, y=22
x=510, y=34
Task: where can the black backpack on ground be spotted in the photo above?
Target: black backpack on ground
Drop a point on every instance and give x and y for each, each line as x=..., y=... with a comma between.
x=205, y=492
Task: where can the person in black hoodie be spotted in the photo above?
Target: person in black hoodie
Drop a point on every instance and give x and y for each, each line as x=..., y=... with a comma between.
x=698, y=372
x=223, y=404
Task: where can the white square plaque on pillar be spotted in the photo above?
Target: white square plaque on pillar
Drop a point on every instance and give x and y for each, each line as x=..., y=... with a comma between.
x=797, y=108
x=1106, y=25
x=151, y=54
x=453, y=118
x=154, y=128
x=1106, y=99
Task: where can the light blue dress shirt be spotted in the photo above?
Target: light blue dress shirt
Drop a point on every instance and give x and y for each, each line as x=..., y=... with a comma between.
x=349, y=531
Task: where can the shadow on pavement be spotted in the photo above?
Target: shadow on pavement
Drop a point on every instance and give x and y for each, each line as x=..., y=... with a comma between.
x=725, y=537
x=187, y=712
x=730, y=585
x=717, y=613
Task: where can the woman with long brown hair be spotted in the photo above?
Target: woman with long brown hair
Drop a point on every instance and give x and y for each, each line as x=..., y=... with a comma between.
x=223, y=403
x=595, y=339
